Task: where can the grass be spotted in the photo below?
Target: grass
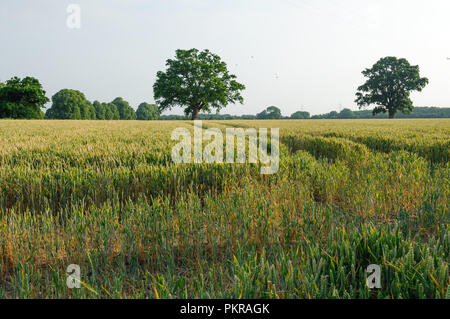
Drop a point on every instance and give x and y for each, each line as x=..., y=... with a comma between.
x=105, y=195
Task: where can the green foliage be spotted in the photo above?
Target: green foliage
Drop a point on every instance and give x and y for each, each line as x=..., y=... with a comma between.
x=88, y=112
x=22, y=98
x=389, y=85
x=208, y=116
x=70, y=104
x=197, y=81
x=146, y=112
x=300, y=115
x=126, y=112
x=111, y=111
x=272, y=113
x=346, y=114
x=418, y=112
x=100, y=111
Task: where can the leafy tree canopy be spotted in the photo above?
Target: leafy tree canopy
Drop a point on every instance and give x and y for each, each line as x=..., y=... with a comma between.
x=346, y=114
x=418, y=112
x=146, y=112
x=126, y=112
x=22, y=98
x=272, y=112
x=197, y=81
x=111, y=111
x=300, y=115
x=70, y=104
x=390, y=82
x=99, y=110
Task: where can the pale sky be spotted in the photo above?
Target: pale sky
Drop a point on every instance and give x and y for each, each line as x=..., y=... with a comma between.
x=295, y=54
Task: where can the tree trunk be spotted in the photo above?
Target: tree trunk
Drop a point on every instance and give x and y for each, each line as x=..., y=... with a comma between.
x=391, y=115
x=195, y=114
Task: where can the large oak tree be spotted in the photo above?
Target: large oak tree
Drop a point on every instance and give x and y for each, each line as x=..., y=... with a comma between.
x=197, y=81
x=389, y=85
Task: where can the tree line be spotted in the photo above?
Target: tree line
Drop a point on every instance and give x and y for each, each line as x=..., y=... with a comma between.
x=418, y=112
x=24, y=99
x=199, y=82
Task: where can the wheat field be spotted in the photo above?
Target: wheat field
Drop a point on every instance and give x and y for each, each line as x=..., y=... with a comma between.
x=106, y=195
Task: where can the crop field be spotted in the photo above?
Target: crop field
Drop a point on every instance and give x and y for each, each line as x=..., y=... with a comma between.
x=106, y=195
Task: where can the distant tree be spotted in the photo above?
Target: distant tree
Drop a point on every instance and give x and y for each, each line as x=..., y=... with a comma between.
x=333, y=115
x=111, y=111
x=346, y=114
x=70, y=104
x=248, y=117
x=418, y=112
x=126, y=112
x=93, y=112
x=173, y=117
x=108, y=111
x=87, y=111
x=262, y=115
x=300, y=115
x=146, y=112
x=198, y=81
x=272, y=112
x=390, y=82
x=99, y=110
x=22, y=99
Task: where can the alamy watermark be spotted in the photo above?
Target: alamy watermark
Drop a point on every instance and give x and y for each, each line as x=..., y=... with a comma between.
x=74, y=276
x=73, y=20
x=374, y=279
x=235, y=139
